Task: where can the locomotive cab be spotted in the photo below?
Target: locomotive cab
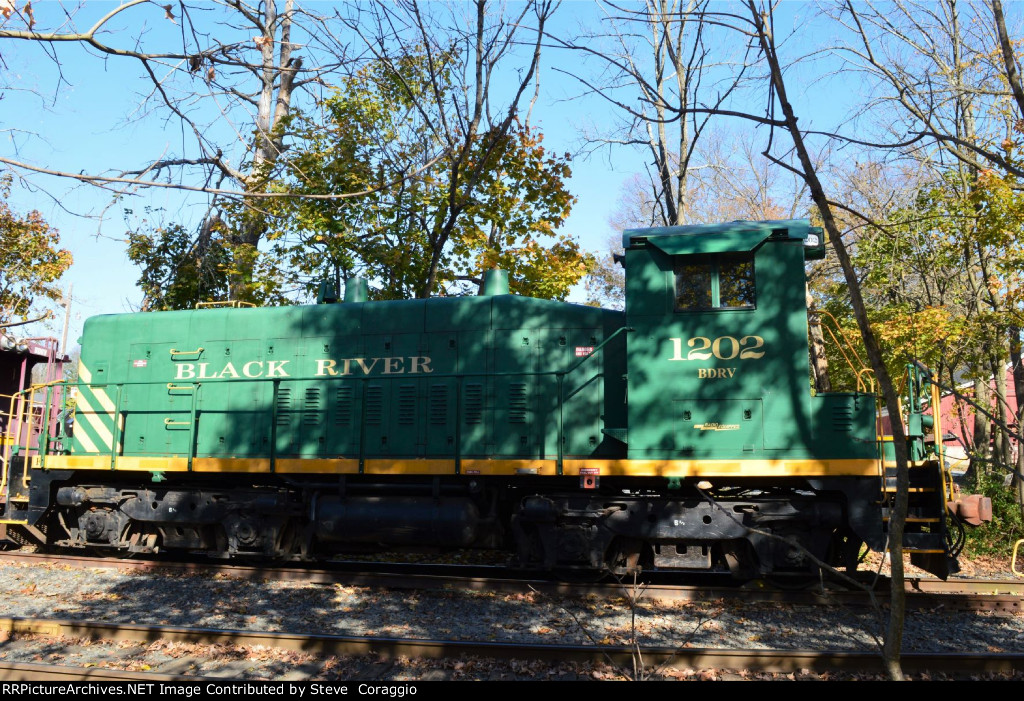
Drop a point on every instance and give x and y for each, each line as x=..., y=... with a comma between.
x=719, y=395
x=718, y=362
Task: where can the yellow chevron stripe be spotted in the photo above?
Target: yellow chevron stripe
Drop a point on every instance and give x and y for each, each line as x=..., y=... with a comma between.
x=85, y=375
x=84, y=440
x=95, y=422
x=103, y=399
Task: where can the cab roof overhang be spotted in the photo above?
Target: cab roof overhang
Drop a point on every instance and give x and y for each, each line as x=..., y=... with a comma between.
x=737, y=236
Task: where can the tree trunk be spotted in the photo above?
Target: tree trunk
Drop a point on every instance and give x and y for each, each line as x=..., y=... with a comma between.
x=982, y=430
x=277, y=80
x=898, y=513
x=1018, y=390
x=819, y=361
x=1001, y=443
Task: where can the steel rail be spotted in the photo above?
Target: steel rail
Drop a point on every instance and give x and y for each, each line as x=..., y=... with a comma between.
x=784, y=661
x=35, y=672
x=999, y=596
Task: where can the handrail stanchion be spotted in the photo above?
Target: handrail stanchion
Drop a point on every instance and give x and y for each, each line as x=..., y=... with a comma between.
x=561, y=426
x=116, y=433
x=275, y=385
x=458, y=425
x=193, y=419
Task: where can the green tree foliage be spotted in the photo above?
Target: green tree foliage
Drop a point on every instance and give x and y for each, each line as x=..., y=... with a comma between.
x=912, y=282
x=605, y=284
x=1007, y=525
x=31, y=261
x=943, y=276
x=179, y=269
x=997, y=203
x=433, y=219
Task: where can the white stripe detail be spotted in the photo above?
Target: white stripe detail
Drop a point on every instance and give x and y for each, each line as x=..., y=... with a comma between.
x=96, y=421
x=86, y=442
x=101, y=396
x=104, y=400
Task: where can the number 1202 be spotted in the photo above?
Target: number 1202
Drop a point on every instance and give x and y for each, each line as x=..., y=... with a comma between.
x=723, y=348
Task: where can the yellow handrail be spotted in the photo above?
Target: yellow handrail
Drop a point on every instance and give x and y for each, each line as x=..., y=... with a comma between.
x=6, y=440
x=13, y=431
x=947, y=483
x=26, y=412
x=859, y=368
x=234, y=303
x=1013, y=562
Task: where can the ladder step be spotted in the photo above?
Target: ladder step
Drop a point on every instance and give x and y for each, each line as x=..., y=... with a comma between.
x=919, y=479
x=917, y=513
x=891, y=464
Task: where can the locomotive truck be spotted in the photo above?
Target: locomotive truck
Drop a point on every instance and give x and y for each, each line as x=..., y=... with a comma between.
x=680, y=433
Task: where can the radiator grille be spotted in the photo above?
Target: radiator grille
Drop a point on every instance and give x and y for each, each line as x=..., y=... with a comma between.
x=374, y=405
x=517, y=403
x=407, y=405
x=343, y=406
x=438, y=405
x=474, y=403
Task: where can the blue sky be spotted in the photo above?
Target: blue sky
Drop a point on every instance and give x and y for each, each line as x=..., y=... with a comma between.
x=82, y=119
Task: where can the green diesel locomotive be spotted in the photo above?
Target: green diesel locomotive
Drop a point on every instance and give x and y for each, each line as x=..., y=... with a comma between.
x=679, y=433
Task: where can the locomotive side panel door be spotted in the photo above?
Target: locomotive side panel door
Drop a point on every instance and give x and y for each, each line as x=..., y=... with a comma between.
x=718, y=428
x=407, y=393
x=343, y=391
x=582, y=393
x=229, y=417
x=156, y=403
x=438, y=354
x=476, y=357
x=344, y=402
x=516, y=352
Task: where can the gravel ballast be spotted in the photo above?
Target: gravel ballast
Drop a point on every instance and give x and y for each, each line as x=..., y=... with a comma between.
x=213, y=601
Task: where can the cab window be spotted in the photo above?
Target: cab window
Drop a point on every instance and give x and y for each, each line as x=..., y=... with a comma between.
x=715, y=282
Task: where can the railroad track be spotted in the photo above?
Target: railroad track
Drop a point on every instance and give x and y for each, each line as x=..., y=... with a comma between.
x=622, y=657
x=998, y=596
x=34, y=672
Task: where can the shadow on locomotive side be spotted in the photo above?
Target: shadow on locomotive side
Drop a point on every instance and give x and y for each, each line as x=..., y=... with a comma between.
x=680, y=433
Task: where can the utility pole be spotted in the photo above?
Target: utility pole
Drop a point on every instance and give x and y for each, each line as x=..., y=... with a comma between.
x=67, y=318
